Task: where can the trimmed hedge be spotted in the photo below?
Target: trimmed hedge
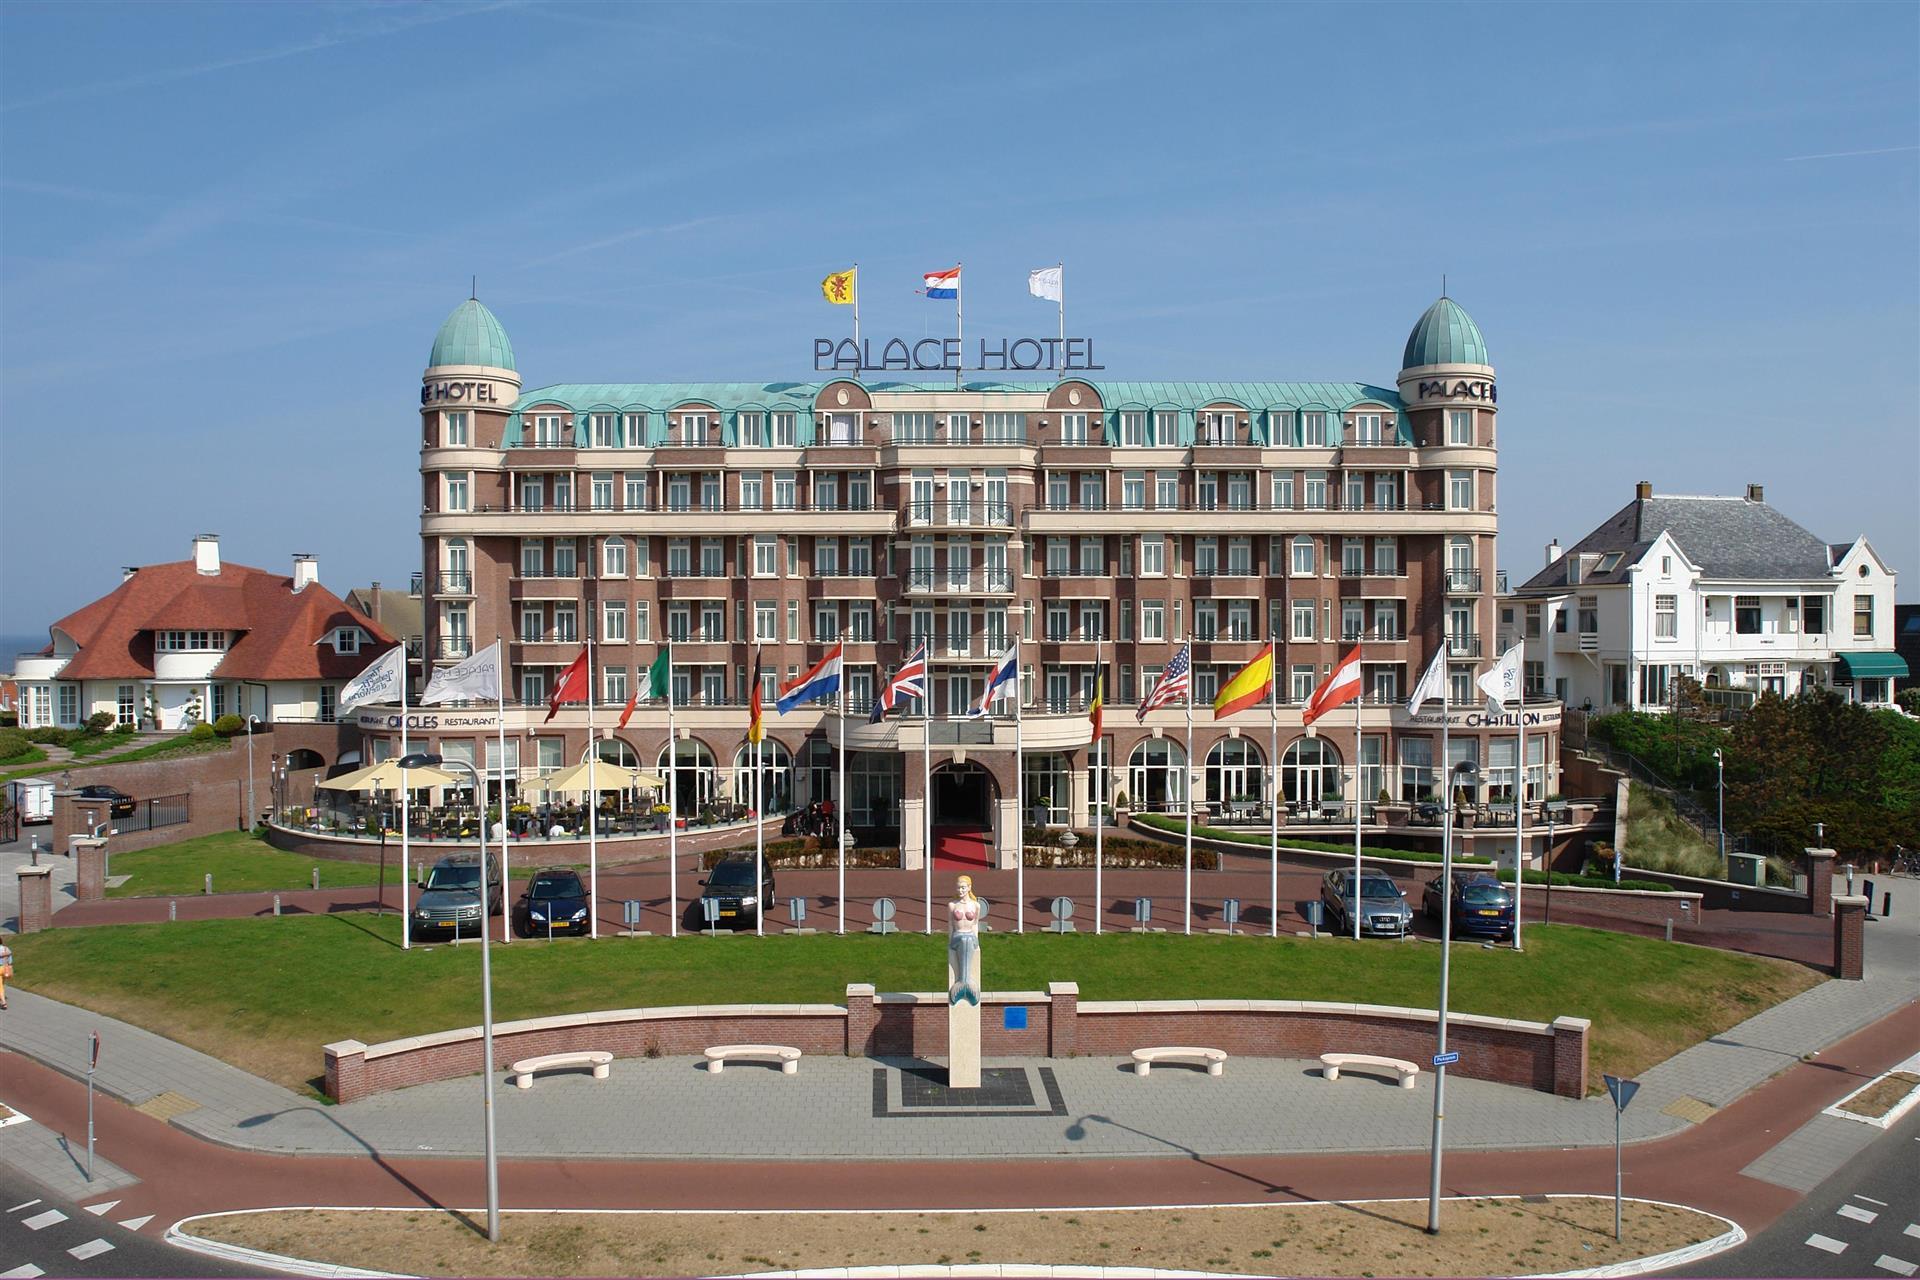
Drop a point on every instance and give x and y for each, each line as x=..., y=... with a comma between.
x=807, y=852
x=1121, y=852
x=1176, y=826
x=1592, y=882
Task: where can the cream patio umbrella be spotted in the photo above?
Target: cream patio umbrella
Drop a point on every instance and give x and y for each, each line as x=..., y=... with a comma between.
x=606, y=777
x=386, y=776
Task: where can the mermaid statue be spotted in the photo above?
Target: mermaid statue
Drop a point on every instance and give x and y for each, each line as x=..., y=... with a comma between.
x=963, y=946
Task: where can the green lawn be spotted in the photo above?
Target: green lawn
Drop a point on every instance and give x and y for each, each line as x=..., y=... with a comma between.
x=241, y=863
x=183, y=745
x=265, y=994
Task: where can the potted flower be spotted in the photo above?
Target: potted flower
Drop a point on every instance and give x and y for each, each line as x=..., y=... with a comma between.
x=659, y=817
x=1121, y=802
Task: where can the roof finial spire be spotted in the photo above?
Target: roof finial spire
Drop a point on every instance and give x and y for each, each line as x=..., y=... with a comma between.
x=473, y=293
x=1443, y=284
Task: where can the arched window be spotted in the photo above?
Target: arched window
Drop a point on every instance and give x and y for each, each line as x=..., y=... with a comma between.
x=613, y=557
x=1235, y=770
x=616, y=751
x=776, y=777
x=695, y=775
x=1157, y=776
x=1310, y=772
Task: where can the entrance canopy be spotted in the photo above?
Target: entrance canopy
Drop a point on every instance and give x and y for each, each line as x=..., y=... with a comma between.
x=1873, y=666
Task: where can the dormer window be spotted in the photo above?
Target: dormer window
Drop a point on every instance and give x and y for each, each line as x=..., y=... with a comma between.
x=189, y=641
x=346, y=640
x=1609, y=562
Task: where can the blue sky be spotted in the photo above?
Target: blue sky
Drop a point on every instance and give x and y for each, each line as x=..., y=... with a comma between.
x=230, y=232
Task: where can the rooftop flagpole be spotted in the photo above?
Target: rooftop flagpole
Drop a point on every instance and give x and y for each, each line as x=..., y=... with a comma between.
x=1099, y=773
x=1273, y=791
x=1186, y=778
x=593, y=803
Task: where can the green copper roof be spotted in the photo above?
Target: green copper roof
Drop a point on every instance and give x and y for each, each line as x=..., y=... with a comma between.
x=472, y=335
x=1445, y=335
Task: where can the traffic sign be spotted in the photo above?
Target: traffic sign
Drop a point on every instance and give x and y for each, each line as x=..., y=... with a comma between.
x=1621, y=1091
x=1446, y=1059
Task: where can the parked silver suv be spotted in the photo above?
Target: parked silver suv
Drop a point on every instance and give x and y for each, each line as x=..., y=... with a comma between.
x=449, y=902
x=1382, y=907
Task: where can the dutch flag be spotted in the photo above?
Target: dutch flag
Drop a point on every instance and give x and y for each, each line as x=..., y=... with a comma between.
x=1005, y=672
x=942, y=284
x=821, y=681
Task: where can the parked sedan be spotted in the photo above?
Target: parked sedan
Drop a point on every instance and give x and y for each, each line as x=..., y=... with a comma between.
x=119, y=803
x=555, y=902
x=1481, y=904
x=729, y=887
x=1382, y=908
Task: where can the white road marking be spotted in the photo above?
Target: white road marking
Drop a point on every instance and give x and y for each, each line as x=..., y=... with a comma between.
x=1869, y=1199
x=1913, y=1229
x=1827, y=1243
x=91, y=1249
x=1899, y=1266
x=134, y=1224
x=101, y=1208
x=1855, y=1212
x=28, y=1205
x=26, y=1271
x=40, y=1221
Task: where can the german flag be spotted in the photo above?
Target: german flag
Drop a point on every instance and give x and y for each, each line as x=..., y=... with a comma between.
x=756, y=731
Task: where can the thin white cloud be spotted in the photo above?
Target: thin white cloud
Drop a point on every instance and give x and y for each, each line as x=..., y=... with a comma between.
x=633, y=233
x=1841, y=155
x=386, y=24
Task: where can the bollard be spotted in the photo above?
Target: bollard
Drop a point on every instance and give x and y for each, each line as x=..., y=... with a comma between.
x=1669, y=931
x=209, y=884
x=276, y=904
x=1886, y=905
x=173, y=910
x=1866, y=891
x=316, y=877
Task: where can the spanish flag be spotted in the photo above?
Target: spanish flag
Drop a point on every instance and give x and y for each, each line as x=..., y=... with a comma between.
x=1097, y=708
x=840, y=287
x=1246, y=688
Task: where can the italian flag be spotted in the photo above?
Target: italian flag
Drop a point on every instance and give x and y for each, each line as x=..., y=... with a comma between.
x=653, y=683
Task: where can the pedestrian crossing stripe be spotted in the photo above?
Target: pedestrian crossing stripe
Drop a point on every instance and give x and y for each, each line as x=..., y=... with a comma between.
x=26, y=1271
x=1828, y=1243
x=91, y=1249
x=41, y=1221
x=1899, y=1266
x=1855, y=1212
x=100, y=1210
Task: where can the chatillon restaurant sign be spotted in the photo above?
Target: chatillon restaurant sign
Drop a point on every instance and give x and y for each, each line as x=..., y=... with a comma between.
x=930, y=355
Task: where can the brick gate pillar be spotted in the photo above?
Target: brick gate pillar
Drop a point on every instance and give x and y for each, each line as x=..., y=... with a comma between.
x=1819, y=882
x=89, y=867
x=36, y=898
x=1849, y=940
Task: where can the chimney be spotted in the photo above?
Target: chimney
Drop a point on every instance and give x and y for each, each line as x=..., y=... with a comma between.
x=306, y=571
x=1643, y=490
x=373, y=603
x=1553, y=552
x=1756, y=493
x=206, y=554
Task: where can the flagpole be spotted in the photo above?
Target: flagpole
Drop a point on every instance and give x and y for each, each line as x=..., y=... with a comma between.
x=1273, y=792
x=1187, y=779
x=1099, y=776
x=1063, y=309
x=1359, y=700
x=1019, y=802
x=856, y=306
x=1520, y=801
x=926, y=779
x=959, y=322
x=406, y=820
x=1446, y=949
x=840, y=817
x=506, y=872
x=760, y=818
x=673, y=811
x=593, y=803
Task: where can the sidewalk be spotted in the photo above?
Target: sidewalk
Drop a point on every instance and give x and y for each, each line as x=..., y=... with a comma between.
x=849, y=1109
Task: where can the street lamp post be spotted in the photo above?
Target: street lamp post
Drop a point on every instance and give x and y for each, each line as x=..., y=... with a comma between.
x=252, y=813
x=1464, y=774
x=422, y=760
x=1720, y=791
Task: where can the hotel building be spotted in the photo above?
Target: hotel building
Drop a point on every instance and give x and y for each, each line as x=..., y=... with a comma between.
x=792, y=516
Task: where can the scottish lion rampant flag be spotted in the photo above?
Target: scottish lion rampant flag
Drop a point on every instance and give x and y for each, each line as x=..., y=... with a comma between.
x=942, y=284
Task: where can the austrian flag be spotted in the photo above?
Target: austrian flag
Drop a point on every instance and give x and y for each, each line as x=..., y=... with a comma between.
x=942, y=284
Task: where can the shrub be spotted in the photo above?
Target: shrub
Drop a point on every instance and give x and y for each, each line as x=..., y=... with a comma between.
x=101, y=721
x=14, y=742
x=229, y=725
x=1123, y=852
x=202, y=732
x=1910, y=701
x=1592, y=882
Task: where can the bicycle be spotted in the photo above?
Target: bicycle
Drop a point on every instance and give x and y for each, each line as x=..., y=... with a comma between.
x=1904, y=863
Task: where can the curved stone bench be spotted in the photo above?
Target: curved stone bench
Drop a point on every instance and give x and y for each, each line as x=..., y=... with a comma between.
x=1214, y=1060
x=523, y=1070
x=786, y=1055
x=1330, y=1064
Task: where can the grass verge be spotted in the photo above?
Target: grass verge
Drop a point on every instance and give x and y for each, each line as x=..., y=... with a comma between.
x=240, y=863
x=1483, y=1237
x=266, y=993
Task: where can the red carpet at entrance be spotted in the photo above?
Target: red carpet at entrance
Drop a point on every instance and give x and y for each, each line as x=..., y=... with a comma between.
x=961, y=848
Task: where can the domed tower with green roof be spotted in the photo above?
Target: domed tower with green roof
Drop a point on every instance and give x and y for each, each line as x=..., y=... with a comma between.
x=471, y=365
x=1445, y=368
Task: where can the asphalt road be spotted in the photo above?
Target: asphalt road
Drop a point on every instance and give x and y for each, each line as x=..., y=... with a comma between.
x=42, y=1234
x=1863, y=1221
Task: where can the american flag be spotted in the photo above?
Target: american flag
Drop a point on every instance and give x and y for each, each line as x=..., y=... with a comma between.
x=910, y=681
x=1172, y=685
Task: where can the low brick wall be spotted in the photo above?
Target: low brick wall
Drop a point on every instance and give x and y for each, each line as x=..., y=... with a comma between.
x=522, y=853
x=1648, y=905
x=1549, y=1057
x=1719, y=895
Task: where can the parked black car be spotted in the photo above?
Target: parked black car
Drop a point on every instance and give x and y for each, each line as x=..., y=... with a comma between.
x=449, y=901
x=730, y=886
x=1481, y=904
x=555, y=902
x=119, y=803
x=1382, y=908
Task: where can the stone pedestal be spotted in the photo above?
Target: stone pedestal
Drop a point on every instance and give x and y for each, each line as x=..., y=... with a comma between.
x=1849, y=937
x=36, y=898
x=89, y=855
x=1006, y=834
x=1819, y=882
x=913, y=834
x=963, y=1030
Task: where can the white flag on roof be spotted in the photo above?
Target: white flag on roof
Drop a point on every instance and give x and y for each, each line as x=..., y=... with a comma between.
x=1433, y=684
x=475, y=680
x=1047, y=282
x=382, y=681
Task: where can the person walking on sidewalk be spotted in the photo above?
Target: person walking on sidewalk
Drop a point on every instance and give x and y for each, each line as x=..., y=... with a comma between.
x=6, y=971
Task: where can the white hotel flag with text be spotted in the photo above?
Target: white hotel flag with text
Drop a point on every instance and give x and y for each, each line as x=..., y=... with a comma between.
x=1432, y=685
x=1046, y=282
x=383, y=681
x=1501, y=681
x=475, y=680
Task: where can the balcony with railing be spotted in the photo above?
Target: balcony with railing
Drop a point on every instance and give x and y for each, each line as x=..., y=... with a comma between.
x=453, y=582
x=952, y=513
x=1463, y=582
x=1464, y=644
x=959, y=581
x=452, y=648
x=1378, y=633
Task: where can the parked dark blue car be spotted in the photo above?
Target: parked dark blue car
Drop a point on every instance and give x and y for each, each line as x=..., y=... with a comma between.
x=1481, y=904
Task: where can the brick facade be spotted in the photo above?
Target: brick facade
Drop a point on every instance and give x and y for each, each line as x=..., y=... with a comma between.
x=1550, y=1058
